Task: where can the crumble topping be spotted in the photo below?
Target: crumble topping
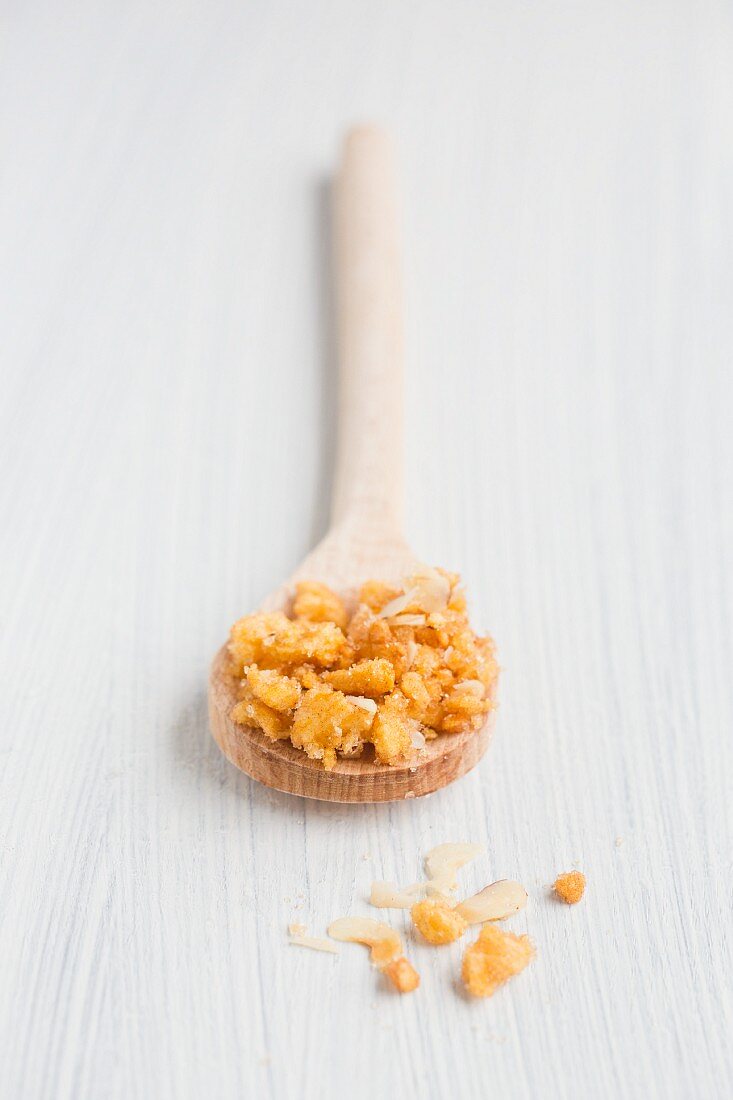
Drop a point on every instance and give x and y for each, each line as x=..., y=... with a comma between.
x=401, y=669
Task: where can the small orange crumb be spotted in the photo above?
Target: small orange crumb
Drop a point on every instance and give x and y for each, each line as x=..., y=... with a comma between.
x=276, y=691
x=493, y=959
x=372, y=677
x=403, y=975
x=437, y=922
x=317, y=603
x=570, y=887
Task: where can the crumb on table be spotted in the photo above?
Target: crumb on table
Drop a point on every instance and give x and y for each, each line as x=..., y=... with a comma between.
x=403, y=975
x=437, y=922
x=570, y=887
x=493, y=959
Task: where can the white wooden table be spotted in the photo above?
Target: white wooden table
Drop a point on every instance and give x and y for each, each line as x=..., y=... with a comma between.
x=168, y=396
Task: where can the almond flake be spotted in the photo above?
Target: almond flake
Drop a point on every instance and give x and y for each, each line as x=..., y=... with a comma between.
x=395, y=606
x=384, y=942
x=407, y=620
x=365, y=704
x=497, y=901
x=385, y=895
x=298, y=938
x=441, y=864
x=475, y=687
x=433, y=589
x=418, y=739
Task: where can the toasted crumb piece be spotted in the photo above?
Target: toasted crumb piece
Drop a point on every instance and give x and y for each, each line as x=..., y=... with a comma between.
x=251, y=712
x=391, y=732
x=326, y=722
x=403, y=975
x=273, y=689
x=437, y=922
x=317, y=603
x=371, y=677
x=375, y=594
x=493, y=959
x=570, y=887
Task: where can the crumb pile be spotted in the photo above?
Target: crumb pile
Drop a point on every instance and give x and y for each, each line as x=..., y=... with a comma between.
x=404, y=667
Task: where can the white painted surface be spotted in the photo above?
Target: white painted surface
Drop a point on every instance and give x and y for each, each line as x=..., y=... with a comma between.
x=167, y=427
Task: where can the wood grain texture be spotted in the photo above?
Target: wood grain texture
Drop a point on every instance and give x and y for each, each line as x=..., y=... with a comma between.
x=166, y=356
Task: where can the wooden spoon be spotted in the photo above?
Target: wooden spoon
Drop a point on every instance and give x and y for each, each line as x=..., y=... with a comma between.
x=365, y=540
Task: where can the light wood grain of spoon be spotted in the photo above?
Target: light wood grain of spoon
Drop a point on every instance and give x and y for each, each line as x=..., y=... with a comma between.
x=365, y=539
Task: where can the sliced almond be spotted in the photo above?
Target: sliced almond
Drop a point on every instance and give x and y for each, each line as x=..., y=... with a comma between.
x=396, y=606
x=497, y=901
x=426, y=590
x=418, y=739
x=407, y=620
x=365, y=704
x=385, y=895
x=384, y=942
x=433, y=589
x=298, y=938
x=473, y=687
x=441, y=864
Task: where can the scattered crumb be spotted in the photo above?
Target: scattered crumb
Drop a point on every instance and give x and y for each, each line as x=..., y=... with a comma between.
x=366, y=856
x=403, y=975
x=437, y=922
x=570, y=887
x=619, y=841
x=493, y=959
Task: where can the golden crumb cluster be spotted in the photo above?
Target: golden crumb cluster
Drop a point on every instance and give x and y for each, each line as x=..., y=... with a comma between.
x=400, y=669
x=437, y=922
x=493, y=959
x=570, y=886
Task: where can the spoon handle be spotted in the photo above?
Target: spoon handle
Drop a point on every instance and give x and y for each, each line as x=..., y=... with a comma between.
x=369, y=481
